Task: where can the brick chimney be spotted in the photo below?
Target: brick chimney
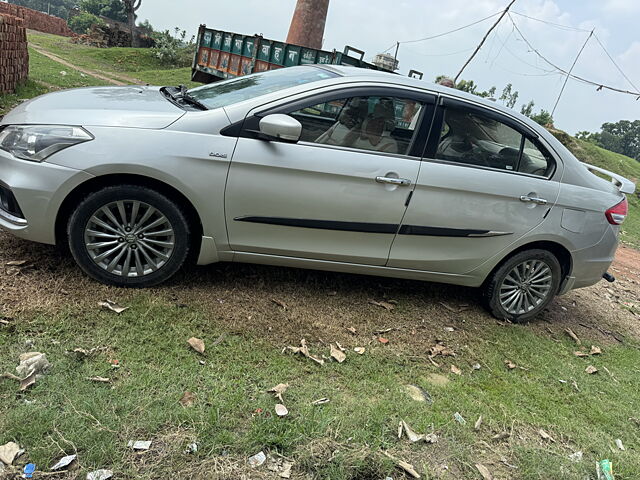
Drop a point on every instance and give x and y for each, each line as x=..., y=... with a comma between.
x=307, y=24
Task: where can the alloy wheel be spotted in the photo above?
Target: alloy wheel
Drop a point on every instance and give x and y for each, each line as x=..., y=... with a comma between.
x=525, y=287
x=129, y=238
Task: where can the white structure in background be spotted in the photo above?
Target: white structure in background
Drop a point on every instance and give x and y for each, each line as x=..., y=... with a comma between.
x=386, y=61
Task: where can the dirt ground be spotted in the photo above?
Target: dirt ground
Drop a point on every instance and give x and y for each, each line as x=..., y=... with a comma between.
x=284, y=305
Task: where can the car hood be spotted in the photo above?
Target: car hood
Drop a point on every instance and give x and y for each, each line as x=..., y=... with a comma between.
x=132, y=106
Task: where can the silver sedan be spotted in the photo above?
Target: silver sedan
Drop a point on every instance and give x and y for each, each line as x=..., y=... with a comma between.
x=320, y=167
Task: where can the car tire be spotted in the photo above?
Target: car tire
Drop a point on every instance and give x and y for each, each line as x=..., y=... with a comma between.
x=523, y=285
x=142, y=249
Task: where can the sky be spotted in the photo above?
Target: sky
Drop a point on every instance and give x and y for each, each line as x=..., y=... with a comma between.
x=376, y=25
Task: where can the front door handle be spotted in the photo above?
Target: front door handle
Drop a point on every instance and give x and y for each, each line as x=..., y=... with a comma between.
x=394, y=181
x=536, y=200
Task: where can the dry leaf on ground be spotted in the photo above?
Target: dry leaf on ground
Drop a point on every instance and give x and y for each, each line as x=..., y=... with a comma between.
x=440, y=349
x=359, y=350
x=113, y=306
x=197, y=344
x=478, y=423
x=304, y=350
x=27, y=382
x=187, y=399
x=280, y=303
x=352, y=330
x=456, y=370
x=320, y=401
x=407, y=467
x=385, y=305
x=545, y=435
x=278, y=390
x=383, y=340
x=575, y=338
x=510, y=365
x=591, y=370
x=410, y=433
x=16, y=263
x=99, y=379
x=484, y=471
x=9, y=452
x=337, y=354
x=595, y=350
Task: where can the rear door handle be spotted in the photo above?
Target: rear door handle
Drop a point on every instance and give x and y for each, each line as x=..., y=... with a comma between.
x=394, y=181
x=536, y=200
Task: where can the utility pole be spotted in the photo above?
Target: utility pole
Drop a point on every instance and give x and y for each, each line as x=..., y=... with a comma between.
x=570, y=70
x=483, y=40
x=395, y=56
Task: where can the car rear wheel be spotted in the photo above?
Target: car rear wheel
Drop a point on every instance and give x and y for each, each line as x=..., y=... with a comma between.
x=523, y=285
x=129, y=235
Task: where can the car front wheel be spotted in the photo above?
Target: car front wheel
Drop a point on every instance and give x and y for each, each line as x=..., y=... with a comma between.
x=523, y=285
x=129, y=235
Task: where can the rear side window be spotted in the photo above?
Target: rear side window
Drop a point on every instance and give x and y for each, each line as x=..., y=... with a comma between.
x=374, y=123
x=475, y=139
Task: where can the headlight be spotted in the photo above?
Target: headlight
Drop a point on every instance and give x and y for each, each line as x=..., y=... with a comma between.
x=37, y=142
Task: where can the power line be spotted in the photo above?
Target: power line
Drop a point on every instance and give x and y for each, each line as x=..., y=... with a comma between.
x=450, y=31
x=570, y=70
x=504, y=12
x=576, y=77
x=614, y=62
x=558, y=25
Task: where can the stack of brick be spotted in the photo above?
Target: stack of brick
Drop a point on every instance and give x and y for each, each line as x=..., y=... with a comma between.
x=35, y=20
x=14, y=56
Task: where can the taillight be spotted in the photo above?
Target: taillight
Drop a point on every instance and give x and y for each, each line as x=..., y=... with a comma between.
x=616, y=214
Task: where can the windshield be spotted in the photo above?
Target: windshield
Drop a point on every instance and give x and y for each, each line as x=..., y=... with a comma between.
x=227, y=92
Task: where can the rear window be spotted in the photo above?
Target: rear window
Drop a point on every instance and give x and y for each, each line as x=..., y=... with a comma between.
x=228, y=92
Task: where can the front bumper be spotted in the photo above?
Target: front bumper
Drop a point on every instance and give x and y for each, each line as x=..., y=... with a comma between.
x=39, y=189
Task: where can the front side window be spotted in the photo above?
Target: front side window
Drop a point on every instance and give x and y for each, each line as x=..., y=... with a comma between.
x=475, y=139
x=375, y=123
x=228, y=92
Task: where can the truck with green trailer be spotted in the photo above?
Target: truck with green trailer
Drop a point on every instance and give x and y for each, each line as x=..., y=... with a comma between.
x=221, y=55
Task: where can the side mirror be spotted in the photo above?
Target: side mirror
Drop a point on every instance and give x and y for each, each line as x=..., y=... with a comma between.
x=280, y=127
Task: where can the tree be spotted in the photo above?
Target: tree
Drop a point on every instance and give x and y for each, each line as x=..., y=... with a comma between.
x=620, y=137
x=80, y=23
x=131, y=6
x=113, y=9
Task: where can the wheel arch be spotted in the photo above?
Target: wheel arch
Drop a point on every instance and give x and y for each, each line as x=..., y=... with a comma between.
x=558, y=250
x=96, y=183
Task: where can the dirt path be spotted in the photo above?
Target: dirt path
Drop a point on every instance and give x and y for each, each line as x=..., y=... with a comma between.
x=92, y=73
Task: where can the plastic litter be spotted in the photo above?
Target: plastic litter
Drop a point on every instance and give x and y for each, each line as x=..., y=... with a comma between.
x=29, y=469
x=102, y=474
x=258, y=459
x=139, y=444
x=459, y=418
x=604, y=469
x=64, y=462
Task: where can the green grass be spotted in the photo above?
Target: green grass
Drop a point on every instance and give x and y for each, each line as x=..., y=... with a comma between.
x=367, y=399
x=43, y=69
x=25, y=91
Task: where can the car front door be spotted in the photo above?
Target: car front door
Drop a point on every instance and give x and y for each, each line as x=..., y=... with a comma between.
x=485, y=181
x=340, y=192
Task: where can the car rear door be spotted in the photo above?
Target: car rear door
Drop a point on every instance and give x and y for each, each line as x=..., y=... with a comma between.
x=321, y=198
x=485, y=181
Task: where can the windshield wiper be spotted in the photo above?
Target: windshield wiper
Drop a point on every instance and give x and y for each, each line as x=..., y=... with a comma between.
x=179, y=96
x=185, y=96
